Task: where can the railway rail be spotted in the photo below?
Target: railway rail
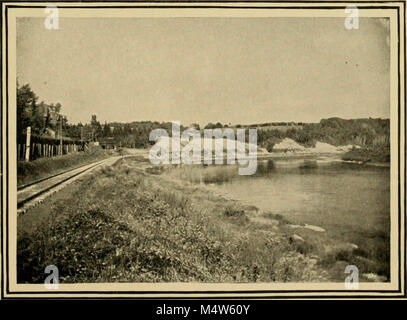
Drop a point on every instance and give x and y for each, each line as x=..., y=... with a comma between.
x=31, y=193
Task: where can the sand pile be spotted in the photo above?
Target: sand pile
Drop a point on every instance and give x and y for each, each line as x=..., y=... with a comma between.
x=323, y=147
x=288, y=145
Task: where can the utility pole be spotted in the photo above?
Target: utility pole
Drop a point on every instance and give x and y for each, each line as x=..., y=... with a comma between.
x=27, y=145
x=60, y=133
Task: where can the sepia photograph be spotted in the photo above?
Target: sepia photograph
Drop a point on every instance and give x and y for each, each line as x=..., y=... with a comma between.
x=203, y=148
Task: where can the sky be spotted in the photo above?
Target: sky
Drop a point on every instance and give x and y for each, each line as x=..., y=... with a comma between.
x=200, y=70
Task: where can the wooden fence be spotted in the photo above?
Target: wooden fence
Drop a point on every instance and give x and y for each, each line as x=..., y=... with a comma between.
x=46, y=147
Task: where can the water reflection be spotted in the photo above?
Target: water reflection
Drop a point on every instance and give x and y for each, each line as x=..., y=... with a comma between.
x=311, y=166
x=307, y=166
x=273, y=170
x=265, y=167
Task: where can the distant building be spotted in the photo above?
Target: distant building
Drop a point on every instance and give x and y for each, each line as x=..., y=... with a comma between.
x=107, y=143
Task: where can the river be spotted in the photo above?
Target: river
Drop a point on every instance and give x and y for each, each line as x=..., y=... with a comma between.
x=350, y=201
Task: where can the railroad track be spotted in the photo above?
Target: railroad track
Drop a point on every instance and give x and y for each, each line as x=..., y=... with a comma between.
x=30, y=194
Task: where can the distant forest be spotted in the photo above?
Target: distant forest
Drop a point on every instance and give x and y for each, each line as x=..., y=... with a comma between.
x=47, y=118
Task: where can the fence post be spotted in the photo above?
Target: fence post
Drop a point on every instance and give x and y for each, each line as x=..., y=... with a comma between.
x=27, y=145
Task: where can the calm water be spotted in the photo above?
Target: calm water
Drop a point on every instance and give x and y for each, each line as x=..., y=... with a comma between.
x=345, y=199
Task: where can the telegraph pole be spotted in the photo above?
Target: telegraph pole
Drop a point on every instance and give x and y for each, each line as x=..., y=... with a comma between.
x=27, y=144
x=60, y=133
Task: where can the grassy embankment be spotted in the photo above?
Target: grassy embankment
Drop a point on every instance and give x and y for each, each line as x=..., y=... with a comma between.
x=127, y=226
x=44, y=167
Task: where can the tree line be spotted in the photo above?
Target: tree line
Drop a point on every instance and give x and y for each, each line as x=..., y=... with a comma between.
x=370, y=133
